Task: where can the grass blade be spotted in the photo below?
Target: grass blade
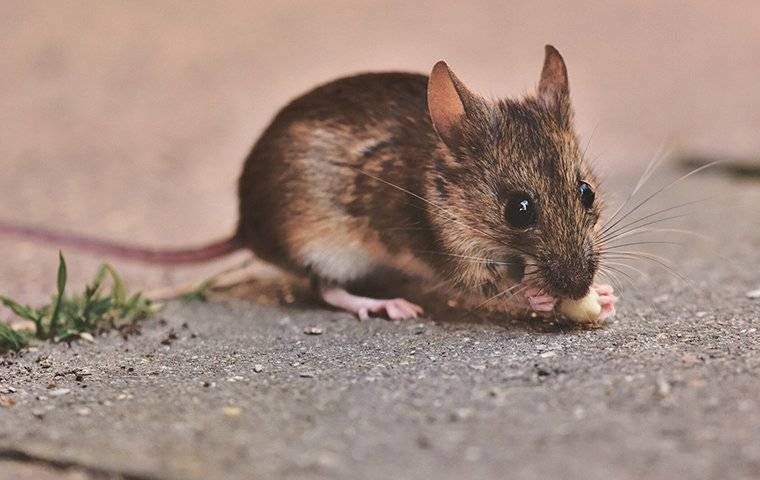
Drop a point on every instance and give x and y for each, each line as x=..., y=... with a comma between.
x=24, y=311
x=62, y=274
x=11, y=339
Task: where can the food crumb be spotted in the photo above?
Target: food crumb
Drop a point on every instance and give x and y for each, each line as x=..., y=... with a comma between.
x=231, y=411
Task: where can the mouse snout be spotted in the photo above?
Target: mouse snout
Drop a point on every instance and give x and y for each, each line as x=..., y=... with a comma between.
x=569, y=277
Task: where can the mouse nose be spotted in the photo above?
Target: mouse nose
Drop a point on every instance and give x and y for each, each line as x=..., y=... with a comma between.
x=570, y=278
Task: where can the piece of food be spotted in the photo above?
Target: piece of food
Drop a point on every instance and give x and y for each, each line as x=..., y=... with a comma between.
x=586, y=309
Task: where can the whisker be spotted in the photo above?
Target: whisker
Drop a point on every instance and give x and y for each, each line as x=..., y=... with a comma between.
x=653, y=214
x=652, y=258
x=504, y=292
x=660, y=190
x=642, y=231
x=612, y=278
x=432, y=204
x=588, y=142
x=611, y=248
x=442, y=210
x=466, y=257
x=621, y=264
x=619, y=271
x=652, y=222
x=650, y=168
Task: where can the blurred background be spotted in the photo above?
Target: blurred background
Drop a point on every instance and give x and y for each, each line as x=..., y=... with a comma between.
x=130, y=120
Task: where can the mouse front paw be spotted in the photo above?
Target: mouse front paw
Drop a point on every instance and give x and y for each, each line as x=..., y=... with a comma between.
x=539, y=300
x=607, y=299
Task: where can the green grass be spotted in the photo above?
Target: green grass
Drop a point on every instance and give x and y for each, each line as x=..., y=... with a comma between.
x=199, y=293
x=68, y=317
x=11, y=339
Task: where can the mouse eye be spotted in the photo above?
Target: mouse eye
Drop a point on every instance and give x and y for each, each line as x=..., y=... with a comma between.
x=587, y=195
x=520, y=211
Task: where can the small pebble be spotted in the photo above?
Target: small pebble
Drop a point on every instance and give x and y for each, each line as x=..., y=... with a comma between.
x=86, y=336
x=231, y=411
x=690, y=359
x=258, y=368
x=663, y=386
x=423, y=442
x=307, y=375
x=313, y=331
x=58, y=392
x=548, y=354
x=83, y=412
x=7, y=402
x=461, y=414
x=753, y=294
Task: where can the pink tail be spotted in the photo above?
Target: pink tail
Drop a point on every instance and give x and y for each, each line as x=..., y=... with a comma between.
x=118, y=250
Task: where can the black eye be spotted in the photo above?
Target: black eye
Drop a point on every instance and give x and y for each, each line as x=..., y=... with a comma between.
x=587, y=195
x=520, y=211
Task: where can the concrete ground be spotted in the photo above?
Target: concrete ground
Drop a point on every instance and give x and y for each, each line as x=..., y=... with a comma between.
x=130, y=122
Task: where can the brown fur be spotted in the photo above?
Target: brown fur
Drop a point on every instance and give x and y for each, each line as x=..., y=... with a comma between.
x=398, y=170
x=352, y=176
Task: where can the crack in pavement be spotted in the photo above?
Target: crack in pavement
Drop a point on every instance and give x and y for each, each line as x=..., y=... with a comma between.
x=22, y=456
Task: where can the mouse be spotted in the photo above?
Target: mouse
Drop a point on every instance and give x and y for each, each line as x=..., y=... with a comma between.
x=416, y=173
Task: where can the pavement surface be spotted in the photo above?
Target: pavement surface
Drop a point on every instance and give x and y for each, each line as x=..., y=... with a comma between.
x=130, y=121
x=235, y=389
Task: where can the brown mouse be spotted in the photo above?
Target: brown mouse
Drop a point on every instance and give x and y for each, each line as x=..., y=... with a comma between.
x=421, y=175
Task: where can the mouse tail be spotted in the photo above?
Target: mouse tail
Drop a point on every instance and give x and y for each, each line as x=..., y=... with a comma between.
x=124, y=251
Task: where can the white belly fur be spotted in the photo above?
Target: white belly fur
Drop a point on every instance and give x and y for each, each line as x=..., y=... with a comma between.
x=345, y=263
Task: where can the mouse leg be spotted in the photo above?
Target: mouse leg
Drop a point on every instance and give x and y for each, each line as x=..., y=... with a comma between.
x=395, y=308
x=607, y=299
x=539, y=300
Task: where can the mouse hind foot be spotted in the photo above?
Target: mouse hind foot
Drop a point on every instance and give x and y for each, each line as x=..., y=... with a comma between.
x=394, y=308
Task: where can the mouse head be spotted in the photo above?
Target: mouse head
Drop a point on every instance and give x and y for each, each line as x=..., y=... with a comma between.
x=518, y=200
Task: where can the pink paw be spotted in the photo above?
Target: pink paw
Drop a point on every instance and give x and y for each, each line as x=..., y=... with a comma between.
x=539, y=300
x=607, y=300
x=395, y=308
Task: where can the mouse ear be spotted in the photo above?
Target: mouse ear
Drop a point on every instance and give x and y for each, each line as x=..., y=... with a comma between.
x=553, y=88
x=449, y=103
